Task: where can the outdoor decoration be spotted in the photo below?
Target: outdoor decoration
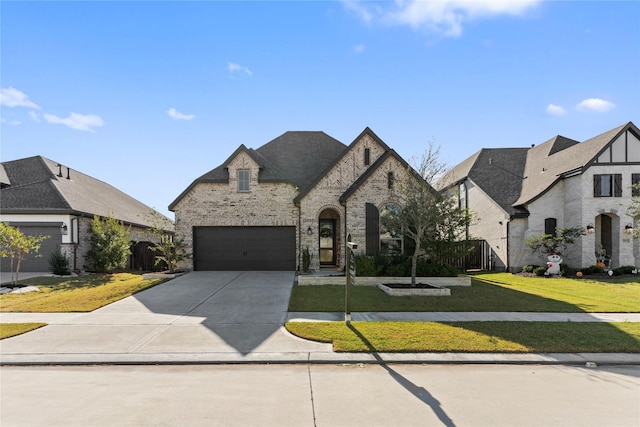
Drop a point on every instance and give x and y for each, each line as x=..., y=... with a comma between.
x=553, y=264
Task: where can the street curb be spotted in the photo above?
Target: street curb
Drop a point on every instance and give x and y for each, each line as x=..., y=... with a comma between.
x=569, y=359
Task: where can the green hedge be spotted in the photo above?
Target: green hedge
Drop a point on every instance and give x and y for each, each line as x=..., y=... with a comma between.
x=400, y=266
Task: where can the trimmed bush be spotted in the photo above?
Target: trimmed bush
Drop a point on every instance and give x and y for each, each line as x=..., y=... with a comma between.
x=59, y=264
x=625, y=269
x=539, y=271
x=594, y=269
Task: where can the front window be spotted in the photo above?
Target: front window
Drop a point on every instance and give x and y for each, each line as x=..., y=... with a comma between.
x=609, y=185
x=243, y=180
x=550, y=226
x=390, y=240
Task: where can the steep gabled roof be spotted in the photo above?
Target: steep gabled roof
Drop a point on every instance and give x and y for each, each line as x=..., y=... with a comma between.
x=546, y=165
x=304, y=191
x=497, y=171
x=42, y=186
x=295, y=157
x=365, y=176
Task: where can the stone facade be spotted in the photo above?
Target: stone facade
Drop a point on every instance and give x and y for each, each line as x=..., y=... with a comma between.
x=281, y=204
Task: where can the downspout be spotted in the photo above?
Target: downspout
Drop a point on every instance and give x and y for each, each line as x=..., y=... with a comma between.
x=299, y=238
x=508, y=266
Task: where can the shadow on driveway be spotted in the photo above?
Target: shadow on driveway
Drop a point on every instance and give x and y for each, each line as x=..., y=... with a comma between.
x=200, y=312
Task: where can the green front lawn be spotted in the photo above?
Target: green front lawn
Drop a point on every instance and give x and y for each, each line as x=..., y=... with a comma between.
x=501, y=337
x=12, y=329
x=74, y=294
x=488, y=292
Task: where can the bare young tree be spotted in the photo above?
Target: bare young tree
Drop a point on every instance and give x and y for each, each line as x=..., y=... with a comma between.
x=425, y=216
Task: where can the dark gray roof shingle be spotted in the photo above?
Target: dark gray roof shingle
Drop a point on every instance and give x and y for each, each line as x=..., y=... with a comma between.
x=37, y=188
x=295, y=157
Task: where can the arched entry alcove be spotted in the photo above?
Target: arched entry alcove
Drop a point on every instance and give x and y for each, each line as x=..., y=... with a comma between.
x=329, y=237
x=608, y=239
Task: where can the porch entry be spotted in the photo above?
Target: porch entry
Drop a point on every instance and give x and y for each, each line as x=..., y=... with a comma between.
x=328, y=240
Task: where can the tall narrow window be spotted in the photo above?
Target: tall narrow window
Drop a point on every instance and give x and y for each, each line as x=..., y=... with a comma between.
x=390, y=240
x=550, y=226
x=367, y=157
x=243, y=180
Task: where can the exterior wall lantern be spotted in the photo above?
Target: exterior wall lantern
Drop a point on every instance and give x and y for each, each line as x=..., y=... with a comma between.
x=628, y=229
x=64, y=229
x=591, y=229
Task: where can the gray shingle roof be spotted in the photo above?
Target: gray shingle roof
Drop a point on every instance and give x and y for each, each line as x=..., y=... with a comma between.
x=497, y=171
x=514, y=177
x=546, y=165
x=295, y=157
x=36, y=187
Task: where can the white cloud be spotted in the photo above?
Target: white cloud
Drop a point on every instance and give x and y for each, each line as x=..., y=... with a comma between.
x=555, y=110
x=444, y=17
x=176, y=115
x=234, y=68
x=34, y=116
x=12, y=97
x=11, y=122
x=83, y=122
x=596, y=105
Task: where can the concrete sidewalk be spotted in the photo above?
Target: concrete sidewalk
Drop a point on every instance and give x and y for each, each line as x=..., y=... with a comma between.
x=238, y=317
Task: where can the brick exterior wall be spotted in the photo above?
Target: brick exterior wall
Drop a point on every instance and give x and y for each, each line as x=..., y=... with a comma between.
x=272, y=204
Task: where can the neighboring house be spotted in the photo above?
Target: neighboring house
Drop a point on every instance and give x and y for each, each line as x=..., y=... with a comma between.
x=519, y=193
x=42, y=197
x=261, y=209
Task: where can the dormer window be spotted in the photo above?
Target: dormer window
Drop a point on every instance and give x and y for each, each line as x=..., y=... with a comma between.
x=243, y=180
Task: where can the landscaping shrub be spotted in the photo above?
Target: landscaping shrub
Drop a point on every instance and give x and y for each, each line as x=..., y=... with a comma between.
x=566, y=271
x=59, y=264
x=625, y=269
x=366, y=266
x=400, y=266
x=594, y=269
x=539, y=271
x=306, y=260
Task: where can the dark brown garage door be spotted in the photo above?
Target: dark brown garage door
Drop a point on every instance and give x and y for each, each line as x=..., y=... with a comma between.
x=31, y=263
x=244, y=248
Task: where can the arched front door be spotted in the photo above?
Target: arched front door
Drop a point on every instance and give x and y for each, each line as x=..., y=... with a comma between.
x=328, y=236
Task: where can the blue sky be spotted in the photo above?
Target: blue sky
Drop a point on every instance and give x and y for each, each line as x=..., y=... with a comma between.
x=148, y=96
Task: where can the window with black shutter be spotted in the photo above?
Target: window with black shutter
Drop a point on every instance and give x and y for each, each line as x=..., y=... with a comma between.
x=609, y=185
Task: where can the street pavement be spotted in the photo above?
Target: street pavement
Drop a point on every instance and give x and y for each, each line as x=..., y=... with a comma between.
x=238, y=317
x=313, y=395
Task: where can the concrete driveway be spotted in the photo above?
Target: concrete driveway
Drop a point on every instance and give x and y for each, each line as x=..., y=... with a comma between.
x=201, y=316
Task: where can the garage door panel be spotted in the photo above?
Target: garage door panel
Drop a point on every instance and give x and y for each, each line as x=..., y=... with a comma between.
x=244, y=248
x=40, y=263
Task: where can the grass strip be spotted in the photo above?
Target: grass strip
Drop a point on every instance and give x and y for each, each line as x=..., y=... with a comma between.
x=8, y=330
x=475, y=337
x=488, y=292
x=75, y=294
